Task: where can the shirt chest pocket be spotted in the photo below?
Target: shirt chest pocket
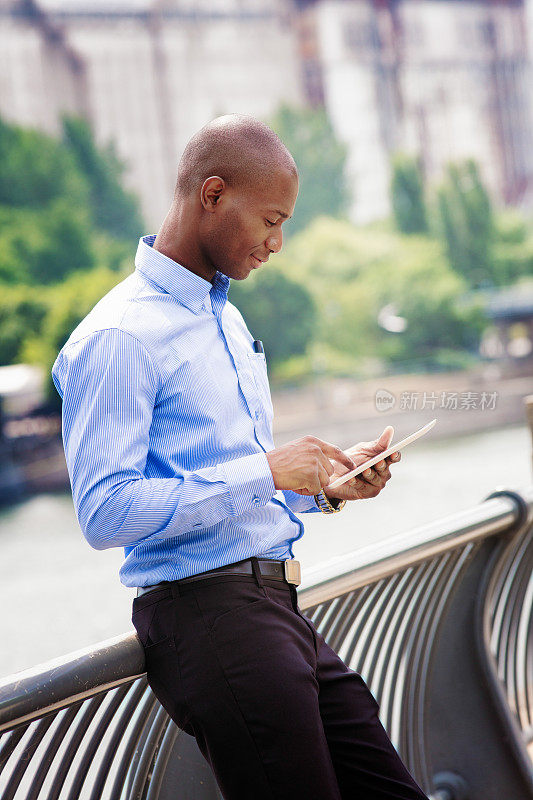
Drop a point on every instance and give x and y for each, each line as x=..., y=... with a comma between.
x=258, y=368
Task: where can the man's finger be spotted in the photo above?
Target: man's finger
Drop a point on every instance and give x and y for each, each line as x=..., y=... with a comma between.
x=323, y=477
x=385, y=439
x=331, y=451
x=372, y=477
x=328, y=466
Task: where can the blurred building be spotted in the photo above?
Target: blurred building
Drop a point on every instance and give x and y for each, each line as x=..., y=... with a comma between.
x=152, y=74
x=442, y=79
x=41, y=76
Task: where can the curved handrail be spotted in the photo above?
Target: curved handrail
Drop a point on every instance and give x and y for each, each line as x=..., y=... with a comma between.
x=63, y=681
x=488, y=659
x=374, y=562
x=59, y=683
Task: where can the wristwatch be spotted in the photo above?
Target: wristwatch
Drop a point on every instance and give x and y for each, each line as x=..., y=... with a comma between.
x=327, y=505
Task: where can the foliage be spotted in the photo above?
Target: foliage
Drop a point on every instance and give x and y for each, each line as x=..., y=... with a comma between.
x=42, y=247
x=512, y=252
x=426, y=293
x=113, y=209
x=62, y=208
x=512, y=261
x=328, y=250
x=318, y=306
x=320, y=158
x=467, y=223
x=407, y=195
x=67, y=304
x=375, y=269
x=510, y=227
x=278, y=311
x=325, y=259
x=36, y=170
x=22, y=312
x=113, y=254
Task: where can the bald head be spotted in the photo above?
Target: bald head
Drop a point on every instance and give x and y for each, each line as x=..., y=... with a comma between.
x=240, y=149
x=237, y=184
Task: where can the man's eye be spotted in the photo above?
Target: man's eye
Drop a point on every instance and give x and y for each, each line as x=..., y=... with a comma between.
x=270, y=223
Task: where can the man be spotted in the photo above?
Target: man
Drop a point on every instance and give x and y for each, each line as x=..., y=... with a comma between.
x=167, y=426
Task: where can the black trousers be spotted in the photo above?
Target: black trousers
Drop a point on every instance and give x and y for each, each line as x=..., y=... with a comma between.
x=274, y=710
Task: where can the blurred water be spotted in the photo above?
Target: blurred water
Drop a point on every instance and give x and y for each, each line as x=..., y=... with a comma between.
x=59, y=595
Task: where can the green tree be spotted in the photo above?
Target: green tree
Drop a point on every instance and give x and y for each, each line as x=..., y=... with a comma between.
x=113, y=209
x=353, y=273
x=440, y=326
x=278, y=311
x=36, y=170
x=467, y=223
x=42, y=247
x=407, y=195
x=62, y=208
x=512, y=253
x=22, y=312
x=320, y=159
x=66, y=305
x=512, y=261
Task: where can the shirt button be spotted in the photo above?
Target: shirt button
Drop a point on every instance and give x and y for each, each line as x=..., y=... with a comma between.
x=257, y=414
x=256, y=500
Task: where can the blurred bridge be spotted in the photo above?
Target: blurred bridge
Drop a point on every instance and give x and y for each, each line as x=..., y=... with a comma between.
x=439, y=622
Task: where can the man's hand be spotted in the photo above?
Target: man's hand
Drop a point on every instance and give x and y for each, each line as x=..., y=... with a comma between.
x=305, y=465
x=370, y=482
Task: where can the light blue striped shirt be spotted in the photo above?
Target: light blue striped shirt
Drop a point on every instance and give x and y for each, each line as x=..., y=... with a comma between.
x=167, y=417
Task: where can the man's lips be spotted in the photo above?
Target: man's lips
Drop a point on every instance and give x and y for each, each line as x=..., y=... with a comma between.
x=260, y=260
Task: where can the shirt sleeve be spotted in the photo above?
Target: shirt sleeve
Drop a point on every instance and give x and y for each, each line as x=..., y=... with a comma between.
x=300, y=503
x=109, y=385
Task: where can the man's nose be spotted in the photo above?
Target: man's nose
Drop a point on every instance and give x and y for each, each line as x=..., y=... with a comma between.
x=275, y=241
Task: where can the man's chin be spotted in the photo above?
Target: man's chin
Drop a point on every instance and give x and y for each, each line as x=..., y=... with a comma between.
x=241, y=271
x=246, y=270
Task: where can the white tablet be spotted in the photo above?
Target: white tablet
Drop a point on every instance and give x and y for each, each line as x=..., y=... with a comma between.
x=380, y=456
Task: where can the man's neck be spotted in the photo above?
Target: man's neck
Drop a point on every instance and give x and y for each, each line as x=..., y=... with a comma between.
x=172, y=241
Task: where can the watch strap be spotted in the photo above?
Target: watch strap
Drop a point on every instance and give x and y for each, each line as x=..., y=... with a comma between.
x=326, y=505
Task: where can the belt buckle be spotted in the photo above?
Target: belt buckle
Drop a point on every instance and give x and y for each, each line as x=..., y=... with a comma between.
x=292, y=571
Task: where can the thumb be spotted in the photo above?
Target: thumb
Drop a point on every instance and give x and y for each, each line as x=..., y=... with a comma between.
x=385, y=439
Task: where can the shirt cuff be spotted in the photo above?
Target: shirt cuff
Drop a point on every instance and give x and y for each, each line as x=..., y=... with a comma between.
x=300, y=503
x=250, y=482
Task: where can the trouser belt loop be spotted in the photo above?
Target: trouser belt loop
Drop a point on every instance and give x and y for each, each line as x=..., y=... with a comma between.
x=257, y=571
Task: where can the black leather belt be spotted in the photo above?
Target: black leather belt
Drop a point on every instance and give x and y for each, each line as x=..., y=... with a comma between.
x=288, y=571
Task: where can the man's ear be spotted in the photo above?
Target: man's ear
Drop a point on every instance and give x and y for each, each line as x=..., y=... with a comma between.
x=211, y=192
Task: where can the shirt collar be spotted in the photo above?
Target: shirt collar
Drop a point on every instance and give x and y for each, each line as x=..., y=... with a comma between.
x=188, y=288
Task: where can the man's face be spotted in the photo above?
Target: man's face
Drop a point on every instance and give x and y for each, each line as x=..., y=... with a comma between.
x=246, y=226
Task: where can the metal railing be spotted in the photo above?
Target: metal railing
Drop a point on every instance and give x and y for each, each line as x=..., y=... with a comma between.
x=439, y=622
